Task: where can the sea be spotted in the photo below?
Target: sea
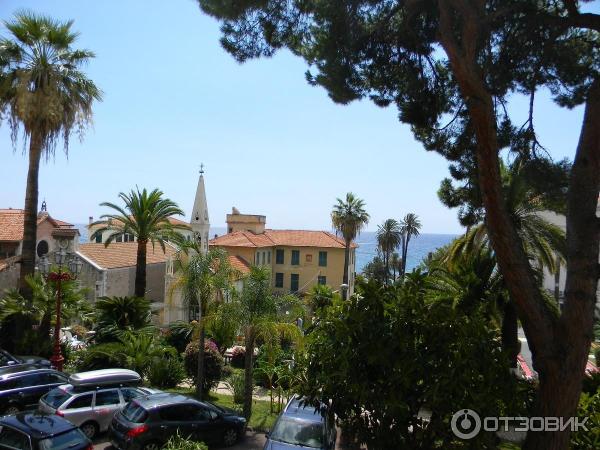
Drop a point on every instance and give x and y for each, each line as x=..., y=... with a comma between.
x=418, y=249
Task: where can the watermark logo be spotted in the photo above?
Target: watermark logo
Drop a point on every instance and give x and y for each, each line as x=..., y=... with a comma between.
x=466, y=424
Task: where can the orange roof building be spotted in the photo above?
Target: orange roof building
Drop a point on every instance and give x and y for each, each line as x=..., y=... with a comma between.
x=298, y=259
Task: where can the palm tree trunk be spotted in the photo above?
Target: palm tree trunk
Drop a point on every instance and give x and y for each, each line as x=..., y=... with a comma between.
x=31, y=212
x=404, y=251
x=140, y=268
x=248, y=376
x=386, y=255
x=346, y=262
x=200, y=373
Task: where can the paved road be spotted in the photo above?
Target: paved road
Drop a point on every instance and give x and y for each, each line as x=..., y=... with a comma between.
x=253, y=441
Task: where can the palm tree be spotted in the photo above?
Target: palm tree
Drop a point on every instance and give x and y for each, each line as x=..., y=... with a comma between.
x=410, y=227
x=117, y=315
x=40, y=309
x=145, y=216
x=258, y=314
x=544, y=243
x=396, y=264
x=45, y=94
x=389, y=237
x=349, y=218
x=200, y=278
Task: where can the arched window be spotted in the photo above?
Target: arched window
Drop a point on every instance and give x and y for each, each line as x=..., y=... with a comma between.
x=42, y=248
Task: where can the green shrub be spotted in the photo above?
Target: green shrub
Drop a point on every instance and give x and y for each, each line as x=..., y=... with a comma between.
x=238, y=357
x=235, y=383
x=178, y=443
x=213, y=364
x=591, y=383
x=179, y=334
x=166, y=372
x=589, y=406
x=80, y=331
x=101, y=356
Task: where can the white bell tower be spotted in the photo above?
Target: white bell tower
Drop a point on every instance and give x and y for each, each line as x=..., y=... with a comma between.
x=200, y=223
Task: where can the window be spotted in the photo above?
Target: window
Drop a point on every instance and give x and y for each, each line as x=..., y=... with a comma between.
x=180, y=413
x=322, y=279
x=257, y=259
x=127, y=237
x=264, y=258
x=42, y=248
x=323, y=259
x=269, y=257
x=11, y=438
x=130, y=393
x=99, y=238
x=295, y=257
x=135, y=413
x=54, y=378
x=278, y=280
x=119, y=238
x=279, y=256
x=308, y=258
x=83, y=401
x=104, y=398
x=294, y=282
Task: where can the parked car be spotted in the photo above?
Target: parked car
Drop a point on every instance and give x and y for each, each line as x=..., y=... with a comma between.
x=7, y=360
x=36, y=431
x=22, y=386
x=148, y=422
x=300, y=426
x=92, y=398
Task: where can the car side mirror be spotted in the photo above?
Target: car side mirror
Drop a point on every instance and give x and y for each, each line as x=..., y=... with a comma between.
x=11, y=363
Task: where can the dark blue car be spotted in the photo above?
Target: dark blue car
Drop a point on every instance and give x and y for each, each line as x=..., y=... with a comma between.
x=37, y=431
x=301, y=426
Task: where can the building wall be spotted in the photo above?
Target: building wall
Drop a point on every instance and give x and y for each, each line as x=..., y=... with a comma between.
x=188, y=234
x=9, y=276
x=309, y=269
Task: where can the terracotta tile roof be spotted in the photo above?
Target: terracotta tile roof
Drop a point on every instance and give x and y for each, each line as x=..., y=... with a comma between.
x=272, y=238
x=239, y=264
x=123, y=254
x=11, y=223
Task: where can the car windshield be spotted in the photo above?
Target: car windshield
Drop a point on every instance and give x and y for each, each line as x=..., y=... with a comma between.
x=6, y=357
x=298, y=432
x=56, y=397
x=135, y=413
x=63, y=441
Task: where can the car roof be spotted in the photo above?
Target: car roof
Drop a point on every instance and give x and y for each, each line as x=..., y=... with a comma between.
x=163, y=399
x=22, y=369
x=38, y=425
x=104, y=377
x=296, y=409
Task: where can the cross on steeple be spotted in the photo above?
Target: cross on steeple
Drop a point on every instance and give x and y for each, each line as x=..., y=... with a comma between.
x=202, y=169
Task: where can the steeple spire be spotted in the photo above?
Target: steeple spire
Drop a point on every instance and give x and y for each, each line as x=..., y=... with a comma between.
x=200, y=223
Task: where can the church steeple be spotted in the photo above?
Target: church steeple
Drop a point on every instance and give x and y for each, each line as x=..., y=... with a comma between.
x=200, y=223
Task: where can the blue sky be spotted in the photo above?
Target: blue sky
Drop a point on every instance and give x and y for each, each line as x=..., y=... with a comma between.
x=271, y=143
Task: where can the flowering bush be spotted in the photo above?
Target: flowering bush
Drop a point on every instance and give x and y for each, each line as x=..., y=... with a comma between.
x=213, y=364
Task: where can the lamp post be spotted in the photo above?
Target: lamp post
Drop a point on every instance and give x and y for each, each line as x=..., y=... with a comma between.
x=73, y=265
x=344, y=288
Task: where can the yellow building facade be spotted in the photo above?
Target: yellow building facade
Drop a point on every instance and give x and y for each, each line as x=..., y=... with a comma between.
x=297, y=259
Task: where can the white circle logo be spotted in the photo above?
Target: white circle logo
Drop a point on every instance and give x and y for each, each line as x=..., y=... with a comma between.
x=466, y=424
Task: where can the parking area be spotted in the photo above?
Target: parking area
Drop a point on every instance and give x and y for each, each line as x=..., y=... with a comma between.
x=252, y=441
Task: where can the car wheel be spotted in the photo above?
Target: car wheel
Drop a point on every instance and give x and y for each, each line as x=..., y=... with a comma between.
x=11, y=410
x=152, y=446
x=90, y=429
x=230, y=437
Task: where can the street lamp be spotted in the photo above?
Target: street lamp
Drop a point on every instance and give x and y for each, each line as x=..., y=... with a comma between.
x=73, y=265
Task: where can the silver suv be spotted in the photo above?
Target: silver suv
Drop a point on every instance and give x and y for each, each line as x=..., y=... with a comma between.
x=92, y=398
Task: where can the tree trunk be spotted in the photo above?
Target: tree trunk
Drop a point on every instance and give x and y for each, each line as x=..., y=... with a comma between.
x=140, y=268
x=248, y=375
x=510, y=333
x=559, y=346
x=200, y=373
x=575, y=327
x=404, y=252
x=31, y=214
x=346, y=262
